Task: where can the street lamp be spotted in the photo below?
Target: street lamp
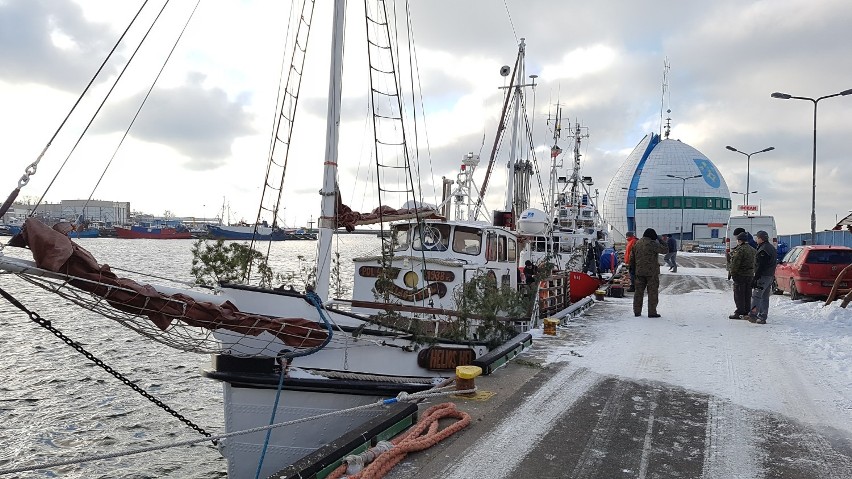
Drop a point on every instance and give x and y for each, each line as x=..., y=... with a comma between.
x=745, y=196
x=748, y=165
x=682, y=201
x=785, y=96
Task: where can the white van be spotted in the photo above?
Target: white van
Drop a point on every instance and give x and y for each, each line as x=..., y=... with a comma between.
x=752, y=224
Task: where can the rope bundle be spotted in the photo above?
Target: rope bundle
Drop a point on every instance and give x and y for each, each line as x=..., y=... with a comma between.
x=423, y=435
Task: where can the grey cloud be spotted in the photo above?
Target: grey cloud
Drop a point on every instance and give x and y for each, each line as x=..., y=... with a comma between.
x=28, y=54
x=199, y=123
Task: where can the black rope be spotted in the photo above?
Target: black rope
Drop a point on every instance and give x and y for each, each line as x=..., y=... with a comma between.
x=44, y=323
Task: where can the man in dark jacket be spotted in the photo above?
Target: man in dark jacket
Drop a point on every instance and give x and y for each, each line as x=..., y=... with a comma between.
x=645, y=262
x=671, y=256
x=741, y=269
x=751, y=242
x=764, y=277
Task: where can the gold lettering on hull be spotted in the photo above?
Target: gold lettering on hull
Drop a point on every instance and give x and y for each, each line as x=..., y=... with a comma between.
x=393, y=273
x=439, y=289
x=439, y=359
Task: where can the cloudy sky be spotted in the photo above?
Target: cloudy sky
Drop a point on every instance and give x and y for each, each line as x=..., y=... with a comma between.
x=202, y=138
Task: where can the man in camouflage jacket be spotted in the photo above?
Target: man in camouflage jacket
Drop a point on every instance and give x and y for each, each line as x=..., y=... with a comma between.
x=741, y=270
x=645, y=261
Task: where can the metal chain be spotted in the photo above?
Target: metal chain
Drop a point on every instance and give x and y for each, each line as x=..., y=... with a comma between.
x=46, y=324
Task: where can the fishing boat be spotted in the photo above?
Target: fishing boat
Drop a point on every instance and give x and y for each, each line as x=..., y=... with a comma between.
x=570, y=233
x=256, y=232
x=152, y=232
x=439, y=294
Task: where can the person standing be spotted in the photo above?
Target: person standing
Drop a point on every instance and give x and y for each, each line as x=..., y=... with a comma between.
x=751, y=242
x=530, y=270
x=741, y=269
x=631, y=240
x=765, y=260
x=671, y=256
x=645, y=261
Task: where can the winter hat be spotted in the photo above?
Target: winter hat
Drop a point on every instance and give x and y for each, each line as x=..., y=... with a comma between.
x=738, y=231
x=650, y=233
x=630, y=234
x=743, y=237
x=762, y=235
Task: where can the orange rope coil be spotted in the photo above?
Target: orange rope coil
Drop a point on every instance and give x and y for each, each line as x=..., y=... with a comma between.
x=423, y=435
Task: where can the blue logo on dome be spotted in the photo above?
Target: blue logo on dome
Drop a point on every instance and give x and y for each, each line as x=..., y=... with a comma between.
x=708, y=172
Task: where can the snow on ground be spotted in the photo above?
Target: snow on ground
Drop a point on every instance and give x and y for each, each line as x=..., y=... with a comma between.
x=797, y=365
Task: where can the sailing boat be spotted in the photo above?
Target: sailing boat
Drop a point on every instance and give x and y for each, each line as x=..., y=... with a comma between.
x=407, y=327
x=574, y=233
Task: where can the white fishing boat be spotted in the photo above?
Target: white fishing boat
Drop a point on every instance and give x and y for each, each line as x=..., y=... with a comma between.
x=416, y=311
x=570, y=232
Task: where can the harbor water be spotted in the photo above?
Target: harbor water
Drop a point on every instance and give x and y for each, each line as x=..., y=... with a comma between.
x=56, y=405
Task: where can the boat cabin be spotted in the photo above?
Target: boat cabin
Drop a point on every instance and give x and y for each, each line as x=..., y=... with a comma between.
x=431, y=259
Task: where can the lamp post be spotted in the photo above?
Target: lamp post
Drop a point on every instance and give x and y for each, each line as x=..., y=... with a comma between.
x=748, y=166
x=745, y=196
x=682, y=200
x=785, y=96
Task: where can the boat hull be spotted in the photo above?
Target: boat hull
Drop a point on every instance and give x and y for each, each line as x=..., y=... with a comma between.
x=583, y=285
x=139, y=232
x=86, y=233
x=250, y=391
x=260, y=233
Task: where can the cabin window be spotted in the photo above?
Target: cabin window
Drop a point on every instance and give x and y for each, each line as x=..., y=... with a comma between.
x=467, y=240
x=688, y=203
x=714, y=233
x=400, y=238
x=709, y=202
x=491, y=246
x=512, y=251
x=431, y=237
x=501, y=248
x=664, y=203
x=676, y=202
x=652, y=202
x=718, y=204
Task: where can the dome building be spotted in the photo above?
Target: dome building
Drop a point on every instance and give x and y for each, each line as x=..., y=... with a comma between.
x=641, y=194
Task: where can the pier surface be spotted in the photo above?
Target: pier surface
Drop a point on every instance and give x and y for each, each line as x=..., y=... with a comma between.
x=689, y=395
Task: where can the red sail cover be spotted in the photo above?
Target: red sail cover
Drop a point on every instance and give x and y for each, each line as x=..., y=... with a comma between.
x=54, y=251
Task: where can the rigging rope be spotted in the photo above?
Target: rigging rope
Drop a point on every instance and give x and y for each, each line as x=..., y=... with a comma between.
x=31, y=169
x=144, y=100
x=284, y=358
x=97, y=111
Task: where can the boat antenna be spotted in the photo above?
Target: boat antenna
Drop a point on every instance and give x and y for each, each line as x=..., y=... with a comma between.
x=663, y=100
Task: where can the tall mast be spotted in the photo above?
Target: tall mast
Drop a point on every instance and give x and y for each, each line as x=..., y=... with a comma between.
x=513, y=152
x=327, y=220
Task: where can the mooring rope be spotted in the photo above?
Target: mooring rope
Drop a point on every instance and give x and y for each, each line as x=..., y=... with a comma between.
x=378, y=461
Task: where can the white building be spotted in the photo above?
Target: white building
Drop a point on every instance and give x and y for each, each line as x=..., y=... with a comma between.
x=641, y=195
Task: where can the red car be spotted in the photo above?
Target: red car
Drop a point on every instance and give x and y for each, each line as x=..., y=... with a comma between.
x=811, y=270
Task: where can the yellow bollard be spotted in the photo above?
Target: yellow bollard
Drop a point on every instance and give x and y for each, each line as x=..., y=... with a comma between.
x=550, y=326
x=465, y=376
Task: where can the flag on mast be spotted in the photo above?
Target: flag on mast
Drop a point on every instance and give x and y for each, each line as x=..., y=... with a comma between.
x=555, y=151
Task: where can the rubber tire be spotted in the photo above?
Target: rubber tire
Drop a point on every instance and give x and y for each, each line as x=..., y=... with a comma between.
x=775, y=288
x=794, y=293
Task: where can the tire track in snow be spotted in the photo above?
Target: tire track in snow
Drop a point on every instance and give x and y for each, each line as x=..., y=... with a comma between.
x=504, y=447
x=591, y=457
